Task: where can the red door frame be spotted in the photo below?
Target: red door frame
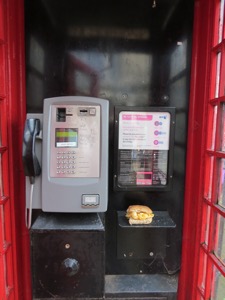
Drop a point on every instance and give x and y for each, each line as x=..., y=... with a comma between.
x=19, y=270
x=194, y=186
x=194, y=172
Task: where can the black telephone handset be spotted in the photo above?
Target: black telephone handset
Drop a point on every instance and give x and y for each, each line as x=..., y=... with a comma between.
x=31, y=164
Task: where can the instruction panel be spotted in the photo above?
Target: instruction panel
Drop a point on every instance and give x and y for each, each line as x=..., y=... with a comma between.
x=143, y=147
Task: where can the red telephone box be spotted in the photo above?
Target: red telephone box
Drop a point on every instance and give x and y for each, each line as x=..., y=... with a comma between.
x=202, y=269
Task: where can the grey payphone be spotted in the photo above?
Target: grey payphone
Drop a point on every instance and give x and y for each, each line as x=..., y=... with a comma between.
x=74, y=154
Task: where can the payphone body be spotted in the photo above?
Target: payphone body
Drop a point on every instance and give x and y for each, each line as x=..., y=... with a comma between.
x=74, y=176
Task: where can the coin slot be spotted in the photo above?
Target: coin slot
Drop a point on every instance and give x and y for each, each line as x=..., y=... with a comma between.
x=61, y=114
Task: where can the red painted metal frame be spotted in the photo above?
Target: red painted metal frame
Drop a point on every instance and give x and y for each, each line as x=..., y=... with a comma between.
x=194, y=202
x=201, y=209
x=7, y=282
x=217, y=212
x=196, y=147
x=18, y=266
x=194, y=186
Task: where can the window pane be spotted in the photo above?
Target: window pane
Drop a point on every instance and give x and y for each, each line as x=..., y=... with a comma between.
x=208, y=176
x=221, y=183
x=218, y=290
x=218, y=64
x=221, y=20
x=202, y=271
x=214, y=127
x=219, y=248
x=222, y=126
x=205, y=224
x=211, y=126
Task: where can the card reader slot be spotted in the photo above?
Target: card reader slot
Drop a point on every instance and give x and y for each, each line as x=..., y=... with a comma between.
x=83, y=111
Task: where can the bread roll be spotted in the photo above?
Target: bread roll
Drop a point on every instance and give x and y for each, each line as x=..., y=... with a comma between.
x=139, y=214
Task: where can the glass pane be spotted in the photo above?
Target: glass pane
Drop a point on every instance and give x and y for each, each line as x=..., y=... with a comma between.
x=219, y=247
x=221, y=183
x=211, y=127
x=202, y=271
x=208, y=177
x=214, y=127
x=205, y=223
x=218, y=64
x=222, y=127
x=218, y=289
x=221, y=20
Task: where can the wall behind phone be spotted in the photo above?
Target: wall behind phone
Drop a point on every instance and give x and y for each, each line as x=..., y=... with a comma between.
x=133, y=53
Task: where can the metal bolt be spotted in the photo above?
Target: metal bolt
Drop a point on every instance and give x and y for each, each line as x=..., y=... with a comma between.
x=67, y=246
x=151, y=253
x=124, y=96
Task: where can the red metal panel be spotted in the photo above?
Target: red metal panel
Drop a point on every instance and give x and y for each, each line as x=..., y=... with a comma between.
x=14, y=238
x=16, y=116
x=208, y=93
x=6, y=264
x=195, y=149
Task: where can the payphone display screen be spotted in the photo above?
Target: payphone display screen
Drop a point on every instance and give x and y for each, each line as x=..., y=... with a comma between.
x=66, y=137
x=144, y=141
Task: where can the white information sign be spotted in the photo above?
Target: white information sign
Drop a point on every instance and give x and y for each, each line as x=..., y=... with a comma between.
x=144, y=130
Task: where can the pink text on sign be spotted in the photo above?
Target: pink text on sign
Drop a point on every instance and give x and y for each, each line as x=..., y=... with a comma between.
x=136, y=117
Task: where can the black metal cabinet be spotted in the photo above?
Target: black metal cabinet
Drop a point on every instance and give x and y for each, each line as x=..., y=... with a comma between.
x=68, y=256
